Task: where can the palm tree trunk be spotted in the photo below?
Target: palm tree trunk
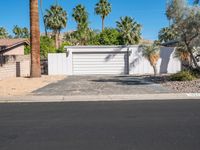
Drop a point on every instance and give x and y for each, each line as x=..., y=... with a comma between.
x=45, y=28
x=35, y=39
x=56, y=39
x=103, y=23
x=155, y=70
x=59, y=40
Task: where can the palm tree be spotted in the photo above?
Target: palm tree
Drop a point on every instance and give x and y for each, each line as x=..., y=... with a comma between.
x=35, y=39
x=103, y=8
x=20, y=32
x=151, y=53
x=25, y=33
x=17, y=31
x=130, y=30
x=167, y=34
x=56, y=19
x=80, y=15
x=3, y=33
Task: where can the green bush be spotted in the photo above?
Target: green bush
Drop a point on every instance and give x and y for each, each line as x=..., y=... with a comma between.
x=62, y=47
x=27, y=50
x=46, y=46
x=183, y=76
x=196, y=73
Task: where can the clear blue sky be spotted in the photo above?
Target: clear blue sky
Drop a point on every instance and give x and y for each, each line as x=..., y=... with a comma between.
x=151, y=14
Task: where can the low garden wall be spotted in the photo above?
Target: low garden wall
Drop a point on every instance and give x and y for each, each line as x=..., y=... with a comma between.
x=15, y=66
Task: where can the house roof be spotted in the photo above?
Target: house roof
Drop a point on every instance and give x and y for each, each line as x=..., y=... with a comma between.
x=8, y=44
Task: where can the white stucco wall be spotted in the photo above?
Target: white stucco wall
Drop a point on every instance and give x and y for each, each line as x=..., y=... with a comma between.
x=138, y=65
x=167, y=63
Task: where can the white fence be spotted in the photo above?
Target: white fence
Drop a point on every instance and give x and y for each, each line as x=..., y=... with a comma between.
x=57, y=64
x=63, y=64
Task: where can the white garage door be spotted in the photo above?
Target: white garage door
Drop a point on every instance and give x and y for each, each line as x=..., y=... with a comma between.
x=99, y=63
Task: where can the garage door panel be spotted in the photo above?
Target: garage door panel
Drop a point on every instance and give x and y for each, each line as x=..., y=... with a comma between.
x=99, y=59
x=99, y=63
x=100, y=69
x=80, y=56
x=98, y=73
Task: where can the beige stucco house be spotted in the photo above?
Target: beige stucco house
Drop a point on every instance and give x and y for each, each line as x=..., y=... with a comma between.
x=13, y=46
x=13, y=62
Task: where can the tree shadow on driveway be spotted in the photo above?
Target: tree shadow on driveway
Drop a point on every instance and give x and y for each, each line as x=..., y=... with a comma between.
x=124, y=80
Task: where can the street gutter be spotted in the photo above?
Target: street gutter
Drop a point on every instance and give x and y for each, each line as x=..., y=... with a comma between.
x=95, y=98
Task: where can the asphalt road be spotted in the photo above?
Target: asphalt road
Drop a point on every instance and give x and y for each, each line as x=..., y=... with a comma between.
x=133, y=125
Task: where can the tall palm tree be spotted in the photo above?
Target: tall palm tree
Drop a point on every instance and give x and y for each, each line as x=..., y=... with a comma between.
x=130, y=30
x=152, y=54
x=103, y=8
x=35, y=39
x=80, y=15
x=56, y=19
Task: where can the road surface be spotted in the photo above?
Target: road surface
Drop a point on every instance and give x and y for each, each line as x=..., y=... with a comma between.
x=131, y=125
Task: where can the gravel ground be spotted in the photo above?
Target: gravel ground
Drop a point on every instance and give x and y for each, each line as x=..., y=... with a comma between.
x=178, y=86
x=184, y=86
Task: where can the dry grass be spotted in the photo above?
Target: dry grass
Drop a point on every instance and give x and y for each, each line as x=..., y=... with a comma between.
x=24, y=86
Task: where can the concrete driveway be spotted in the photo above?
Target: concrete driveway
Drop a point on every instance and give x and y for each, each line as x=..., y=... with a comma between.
x=102, y=85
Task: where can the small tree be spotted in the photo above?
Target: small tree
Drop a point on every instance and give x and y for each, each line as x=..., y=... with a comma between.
x=175, y=10
x=46, y=46
x=186, y=22
x=152, y=54
x=109, y=36
x=189, y=31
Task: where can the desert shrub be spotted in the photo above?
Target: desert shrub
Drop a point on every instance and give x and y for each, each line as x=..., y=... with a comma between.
x=196, y=73
x=185, y=75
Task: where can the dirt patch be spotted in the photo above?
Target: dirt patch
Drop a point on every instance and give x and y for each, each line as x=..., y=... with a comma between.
x=24, y=86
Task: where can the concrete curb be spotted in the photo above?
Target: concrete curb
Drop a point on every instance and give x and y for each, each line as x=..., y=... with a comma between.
x=90, y=98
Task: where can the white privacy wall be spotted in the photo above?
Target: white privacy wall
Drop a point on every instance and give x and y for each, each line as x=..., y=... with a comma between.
x=62, y=64
x=167, y=63
x=57, y=64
